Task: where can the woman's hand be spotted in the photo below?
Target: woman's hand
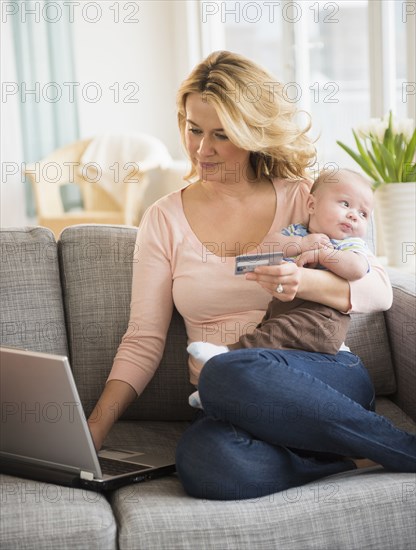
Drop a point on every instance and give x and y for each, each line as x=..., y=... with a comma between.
x=285, y=278
x=116, y=397
x=96, y=435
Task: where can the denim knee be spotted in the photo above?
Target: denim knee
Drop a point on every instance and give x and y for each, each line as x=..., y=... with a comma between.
x=197, y=453
x=223, y=373
x=215, y=460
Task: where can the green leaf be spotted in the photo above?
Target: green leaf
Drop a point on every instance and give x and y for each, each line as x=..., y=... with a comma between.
x=409, y=174
x=411, y=148
x=399, y=149
x=377, y=157
x=389, y=162
x=398, y=144
x=381, y=169
x=361, y=149
x=366, y=166
x=388, y=141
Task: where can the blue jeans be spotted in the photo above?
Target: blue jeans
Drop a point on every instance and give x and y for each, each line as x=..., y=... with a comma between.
x=275, y=419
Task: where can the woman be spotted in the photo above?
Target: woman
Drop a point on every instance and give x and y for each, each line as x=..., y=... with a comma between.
x=248, y=182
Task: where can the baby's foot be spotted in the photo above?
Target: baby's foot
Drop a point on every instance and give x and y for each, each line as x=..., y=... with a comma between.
x=204, y=350
x=194, y=400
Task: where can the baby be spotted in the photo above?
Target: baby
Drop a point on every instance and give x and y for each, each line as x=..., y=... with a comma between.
x=339, y=206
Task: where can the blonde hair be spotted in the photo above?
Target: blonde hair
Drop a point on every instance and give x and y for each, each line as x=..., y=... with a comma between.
x=254, y=113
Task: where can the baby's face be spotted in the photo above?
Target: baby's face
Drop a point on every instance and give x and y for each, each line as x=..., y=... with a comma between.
x=341, y=208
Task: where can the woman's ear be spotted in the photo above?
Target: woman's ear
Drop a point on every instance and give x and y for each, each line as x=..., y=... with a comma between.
x=310, y=204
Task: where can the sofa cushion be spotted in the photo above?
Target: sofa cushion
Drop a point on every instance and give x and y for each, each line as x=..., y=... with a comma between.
x=367, y=337
x=401, y=324
x=386, y=407
x=359, y=509
x=368, y=509
x=53, y=517
x=157, y=437
x=96, y=269
x=32, y=314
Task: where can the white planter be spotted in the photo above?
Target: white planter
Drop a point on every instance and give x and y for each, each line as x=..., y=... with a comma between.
x=396, y=215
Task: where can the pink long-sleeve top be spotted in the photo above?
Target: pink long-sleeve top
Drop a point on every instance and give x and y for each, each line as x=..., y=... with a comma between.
x=172, y=267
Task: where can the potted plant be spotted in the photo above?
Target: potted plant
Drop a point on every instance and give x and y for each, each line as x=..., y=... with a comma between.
x=386, y=153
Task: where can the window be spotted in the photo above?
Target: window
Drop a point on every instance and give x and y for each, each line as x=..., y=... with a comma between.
x=343, y=61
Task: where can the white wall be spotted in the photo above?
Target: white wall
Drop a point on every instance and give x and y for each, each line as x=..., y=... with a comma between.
x=155, y=54
x=114, y=54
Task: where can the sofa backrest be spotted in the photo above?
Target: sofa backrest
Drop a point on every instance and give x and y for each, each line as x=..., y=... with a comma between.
x=367, y=337
x=31, y=308
x=96, y=270
x=96, y=267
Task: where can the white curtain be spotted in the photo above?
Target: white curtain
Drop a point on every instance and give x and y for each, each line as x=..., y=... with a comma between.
x=45, y=78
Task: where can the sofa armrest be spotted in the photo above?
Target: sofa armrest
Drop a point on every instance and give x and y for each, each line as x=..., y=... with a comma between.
x=401, y=328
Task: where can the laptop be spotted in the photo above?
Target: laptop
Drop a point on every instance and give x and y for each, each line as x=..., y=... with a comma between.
x=44, y=433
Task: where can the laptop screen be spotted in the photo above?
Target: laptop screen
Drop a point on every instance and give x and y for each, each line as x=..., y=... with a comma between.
x=42, y=419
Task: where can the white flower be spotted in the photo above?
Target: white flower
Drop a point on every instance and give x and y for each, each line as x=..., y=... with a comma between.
x=405, y=127
x=378, y=127
x=375, y=127
x=363, y=130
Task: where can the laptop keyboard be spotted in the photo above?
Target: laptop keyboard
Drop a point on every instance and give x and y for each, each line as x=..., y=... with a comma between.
x=117, y=467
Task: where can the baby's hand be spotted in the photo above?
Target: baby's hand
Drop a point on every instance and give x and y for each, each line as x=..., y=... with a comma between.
x=309, y=258
x=315, y=241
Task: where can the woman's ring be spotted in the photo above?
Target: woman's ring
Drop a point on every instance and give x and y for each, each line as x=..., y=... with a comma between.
x=279, y=288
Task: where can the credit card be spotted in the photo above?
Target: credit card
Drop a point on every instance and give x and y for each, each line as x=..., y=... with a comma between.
x=248, y=262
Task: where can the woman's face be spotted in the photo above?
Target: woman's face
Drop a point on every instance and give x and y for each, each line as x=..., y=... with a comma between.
x=215, y=158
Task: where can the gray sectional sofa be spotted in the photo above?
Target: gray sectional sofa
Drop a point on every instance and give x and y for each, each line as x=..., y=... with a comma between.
x=72, y=298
